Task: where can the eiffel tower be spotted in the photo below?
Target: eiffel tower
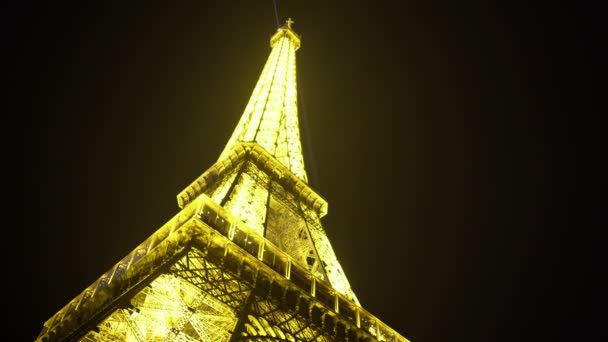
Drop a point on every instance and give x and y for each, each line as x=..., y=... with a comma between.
x=245, y=259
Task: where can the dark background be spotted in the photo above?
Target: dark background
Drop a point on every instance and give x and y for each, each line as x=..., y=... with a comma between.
x=442, y=134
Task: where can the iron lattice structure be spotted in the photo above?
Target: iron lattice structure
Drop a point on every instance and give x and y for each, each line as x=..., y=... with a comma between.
x=245, y=259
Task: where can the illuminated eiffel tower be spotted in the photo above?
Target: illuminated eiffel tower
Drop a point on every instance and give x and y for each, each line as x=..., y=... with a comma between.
x=246, y=258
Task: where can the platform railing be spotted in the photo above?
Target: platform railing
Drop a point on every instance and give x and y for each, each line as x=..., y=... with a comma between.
x=282, y=263
x=246, y=238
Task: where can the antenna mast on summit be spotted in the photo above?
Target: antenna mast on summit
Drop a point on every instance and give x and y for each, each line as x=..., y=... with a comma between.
x=276, y=14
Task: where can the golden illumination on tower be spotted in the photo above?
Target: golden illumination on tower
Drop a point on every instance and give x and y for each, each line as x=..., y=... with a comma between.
x=245, y=259
x=270, y=120
x=271, y=115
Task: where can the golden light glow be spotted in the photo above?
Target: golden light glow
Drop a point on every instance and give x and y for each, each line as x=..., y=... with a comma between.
x=333, y=269
x=170, y=308
x=271, y=115
x=270, y=119
x=248, y=202
x=250, y=218
x=201, y=300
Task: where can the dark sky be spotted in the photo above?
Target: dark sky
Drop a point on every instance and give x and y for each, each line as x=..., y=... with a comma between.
x=442, y=134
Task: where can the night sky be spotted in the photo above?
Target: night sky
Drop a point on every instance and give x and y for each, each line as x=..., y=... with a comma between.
x=442, y=135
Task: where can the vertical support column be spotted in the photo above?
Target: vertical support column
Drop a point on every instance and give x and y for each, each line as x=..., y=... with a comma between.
x=358, y=317
x=261, y=250
x=288, y=269
x=240, y=324
x=231, y=231
x=313, y=286
x=336, y=307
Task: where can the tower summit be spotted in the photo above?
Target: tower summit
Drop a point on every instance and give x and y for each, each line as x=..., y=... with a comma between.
x=270, y=118
x=246, y=258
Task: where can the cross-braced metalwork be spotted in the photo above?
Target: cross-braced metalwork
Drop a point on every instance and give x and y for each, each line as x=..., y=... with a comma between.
x=195, y=301
x=246, y=258
x=197, y=270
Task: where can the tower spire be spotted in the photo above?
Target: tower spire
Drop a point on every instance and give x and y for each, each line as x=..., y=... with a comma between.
x=245, y=258
x=270, y=118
